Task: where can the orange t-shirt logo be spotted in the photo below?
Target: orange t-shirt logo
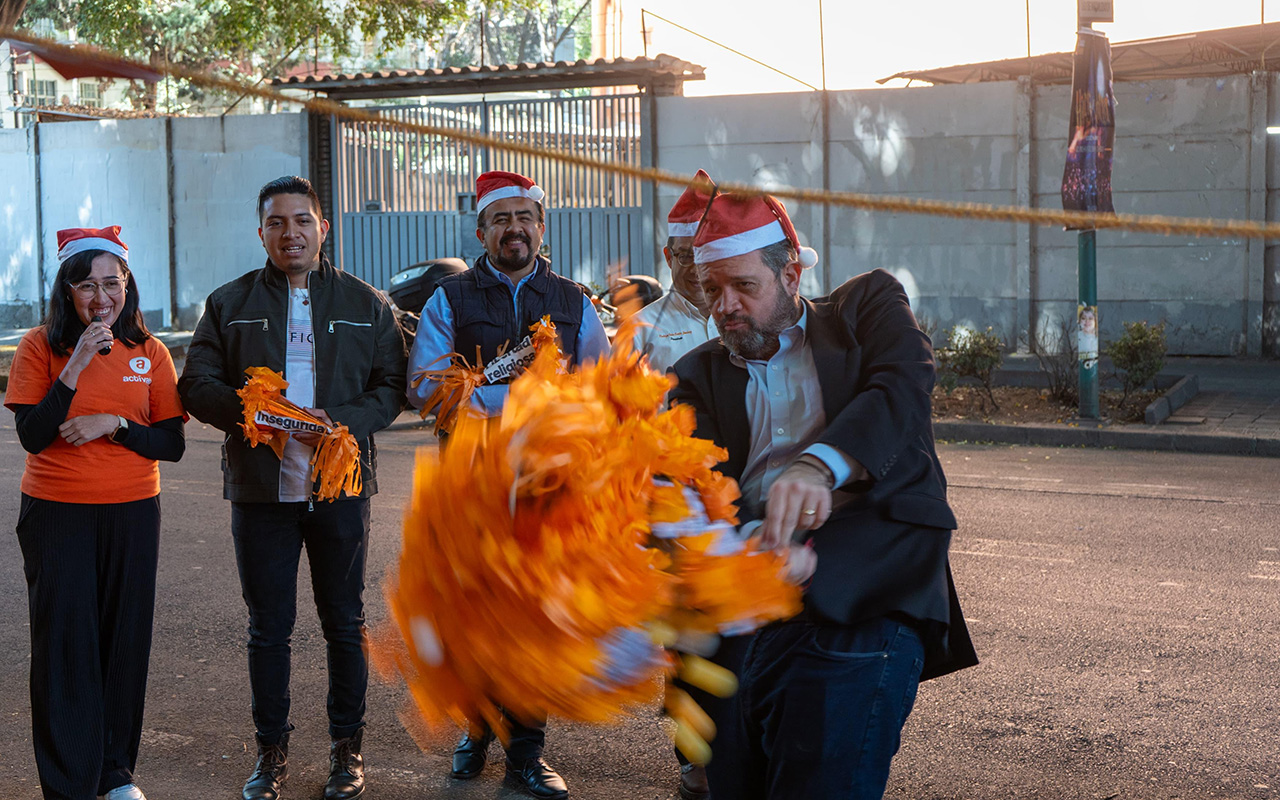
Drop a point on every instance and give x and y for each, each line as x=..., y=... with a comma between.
x=141, y=365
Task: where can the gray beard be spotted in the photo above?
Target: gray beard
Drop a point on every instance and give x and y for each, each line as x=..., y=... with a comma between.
x=759, y=341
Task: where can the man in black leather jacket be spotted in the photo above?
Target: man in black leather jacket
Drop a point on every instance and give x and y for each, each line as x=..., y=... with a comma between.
x=335, y=339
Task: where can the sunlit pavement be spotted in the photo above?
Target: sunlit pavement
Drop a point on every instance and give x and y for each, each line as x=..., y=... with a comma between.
x=1126, y=606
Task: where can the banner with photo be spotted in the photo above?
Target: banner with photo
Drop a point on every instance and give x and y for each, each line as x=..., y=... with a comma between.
x=1086, y=181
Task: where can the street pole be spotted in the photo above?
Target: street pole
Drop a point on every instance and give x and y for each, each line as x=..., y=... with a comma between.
x=1087, y=182
x=1086, y=304
x=1087, y=291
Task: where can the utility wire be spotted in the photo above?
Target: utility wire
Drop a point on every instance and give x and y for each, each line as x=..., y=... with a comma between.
x=730, y=49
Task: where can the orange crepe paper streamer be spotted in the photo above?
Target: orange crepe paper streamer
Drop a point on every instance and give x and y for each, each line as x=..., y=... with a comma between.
x=335, y=464
x=529, y=579
x=456, y=383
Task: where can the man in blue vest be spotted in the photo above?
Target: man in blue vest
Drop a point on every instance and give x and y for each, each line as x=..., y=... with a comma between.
x=484, y=312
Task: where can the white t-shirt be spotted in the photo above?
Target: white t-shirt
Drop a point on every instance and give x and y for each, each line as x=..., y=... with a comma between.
x=300, y=372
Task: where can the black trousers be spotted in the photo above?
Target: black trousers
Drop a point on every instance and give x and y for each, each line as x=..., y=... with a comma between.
x=91, y=587
x=269, y=538
x=527, y=738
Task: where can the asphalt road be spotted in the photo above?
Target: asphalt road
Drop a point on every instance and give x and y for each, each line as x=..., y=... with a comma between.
x=1126, y=606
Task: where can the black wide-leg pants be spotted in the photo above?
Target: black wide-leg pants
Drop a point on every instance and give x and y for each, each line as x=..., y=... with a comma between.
x=91, y=587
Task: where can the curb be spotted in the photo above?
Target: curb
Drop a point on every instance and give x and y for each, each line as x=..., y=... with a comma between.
x=1139, y=439
x=1173, y=399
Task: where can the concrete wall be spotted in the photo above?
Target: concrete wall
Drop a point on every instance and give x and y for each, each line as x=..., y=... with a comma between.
x=1183, y=148
x=19, y=271
x=1186, y=147
x=183, y=191
x=219, y=165
x=110, y=172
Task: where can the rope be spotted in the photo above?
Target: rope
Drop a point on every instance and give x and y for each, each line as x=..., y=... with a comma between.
x=985, y=212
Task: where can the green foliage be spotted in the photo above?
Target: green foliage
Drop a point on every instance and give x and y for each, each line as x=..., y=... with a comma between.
x=1138, y=355
x=256, y=38
x=515, y=31
x=971, y=354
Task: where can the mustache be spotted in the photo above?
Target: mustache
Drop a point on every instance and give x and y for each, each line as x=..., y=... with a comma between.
x=514, y=237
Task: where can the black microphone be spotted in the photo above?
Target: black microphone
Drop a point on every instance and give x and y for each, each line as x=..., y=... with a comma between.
x=106, y=350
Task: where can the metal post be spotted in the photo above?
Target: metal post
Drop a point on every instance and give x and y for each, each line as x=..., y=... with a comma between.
x=174, y=309
x=825, y=108
x=1088, y=323
x=39, y=191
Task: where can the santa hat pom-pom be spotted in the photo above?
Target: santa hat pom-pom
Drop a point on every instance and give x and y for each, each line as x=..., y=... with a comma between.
x=808, y=257
x=536, y=194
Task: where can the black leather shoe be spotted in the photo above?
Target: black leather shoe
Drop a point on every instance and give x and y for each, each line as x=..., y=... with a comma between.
x=536, y=779
x=470, y=755
x=346, y=769
x=270, y=773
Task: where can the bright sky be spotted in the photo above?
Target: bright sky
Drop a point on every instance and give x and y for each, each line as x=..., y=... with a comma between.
x=870, y=40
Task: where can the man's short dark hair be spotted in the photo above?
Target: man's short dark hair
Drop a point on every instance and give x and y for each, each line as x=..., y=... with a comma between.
x=777, y=256
x=481, y=224
x=289, y=184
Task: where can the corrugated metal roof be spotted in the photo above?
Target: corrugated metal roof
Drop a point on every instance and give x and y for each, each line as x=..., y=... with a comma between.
x=664, y=73
x=1226, y=51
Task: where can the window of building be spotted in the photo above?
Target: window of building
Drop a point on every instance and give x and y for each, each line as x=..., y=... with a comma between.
x=89, y=94
x=43, y=93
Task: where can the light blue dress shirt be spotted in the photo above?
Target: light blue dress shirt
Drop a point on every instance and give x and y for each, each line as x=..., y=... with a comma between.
x=434, y=341
x=785, y=414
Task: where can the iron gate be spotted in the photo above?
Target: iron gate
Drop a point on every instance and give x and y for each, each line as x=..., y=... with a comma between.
x=402, y=197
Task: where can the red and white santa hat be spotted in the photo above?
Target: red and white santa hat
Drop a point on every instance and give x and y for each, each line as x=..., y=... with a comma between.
x=688, y=210
x=736, y=224
x=79, y=240
x=499, y=185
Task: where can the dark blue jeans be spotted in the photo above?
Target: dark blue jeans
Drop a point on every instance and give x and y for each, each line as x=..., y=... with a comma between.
x=269, y=538
x=821, y=710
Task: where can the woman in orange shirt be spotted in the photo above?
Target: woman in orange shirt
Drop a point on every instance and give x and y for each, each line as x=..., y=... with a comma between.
x=96, y=402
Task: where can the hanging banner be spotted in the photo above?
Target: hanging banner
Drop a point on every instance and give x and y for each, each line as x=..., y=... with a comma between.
x=1086, y=181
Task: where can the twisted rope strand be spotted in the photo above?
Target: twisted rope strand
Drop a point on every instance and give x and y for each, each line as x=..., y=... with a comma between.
x=1201, y=227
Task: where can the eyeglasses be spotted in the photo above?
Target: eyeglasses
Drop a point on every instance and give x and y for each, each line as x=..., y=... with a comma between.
x=112, y=287
x=683, y=257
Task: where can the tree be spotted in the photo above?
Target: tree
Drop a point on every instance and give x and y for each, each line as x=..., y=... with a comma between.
x=254, y=38
x=516, y=32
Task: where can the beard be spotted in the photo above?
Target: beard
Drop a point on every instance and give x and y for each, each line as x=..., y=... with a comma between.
x=759, y=339
x=511, y=262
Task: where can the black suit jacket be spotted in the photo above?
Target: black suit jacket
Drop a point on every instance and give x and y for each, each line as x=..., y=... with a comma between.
x=884, y=550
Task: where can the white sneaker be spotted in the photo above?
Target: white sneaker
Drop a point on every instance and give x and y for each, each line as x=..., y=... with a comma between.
x=129, y=791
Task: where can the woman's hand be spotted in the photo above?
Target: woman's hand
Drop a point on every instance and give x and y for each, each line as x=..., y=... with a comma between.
x=94, y=338
x=79, y=430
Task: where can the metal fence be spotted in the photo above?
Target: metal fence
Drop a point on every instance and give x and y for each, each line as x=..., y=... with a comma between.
x=585, y=244
x=402, y=197
x=389, y=168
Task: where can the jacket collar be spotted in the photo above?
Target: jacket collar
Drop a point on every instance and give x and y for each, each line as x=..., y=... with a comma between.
x=276, y=278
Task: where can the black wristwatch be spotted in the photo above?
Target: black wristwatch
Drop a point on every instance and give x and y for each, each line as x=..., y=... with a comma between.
x=120, y=432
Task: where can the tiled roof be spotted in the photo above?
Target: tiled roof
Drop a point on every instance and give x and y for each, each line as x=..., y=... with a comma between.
x=661, y=71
